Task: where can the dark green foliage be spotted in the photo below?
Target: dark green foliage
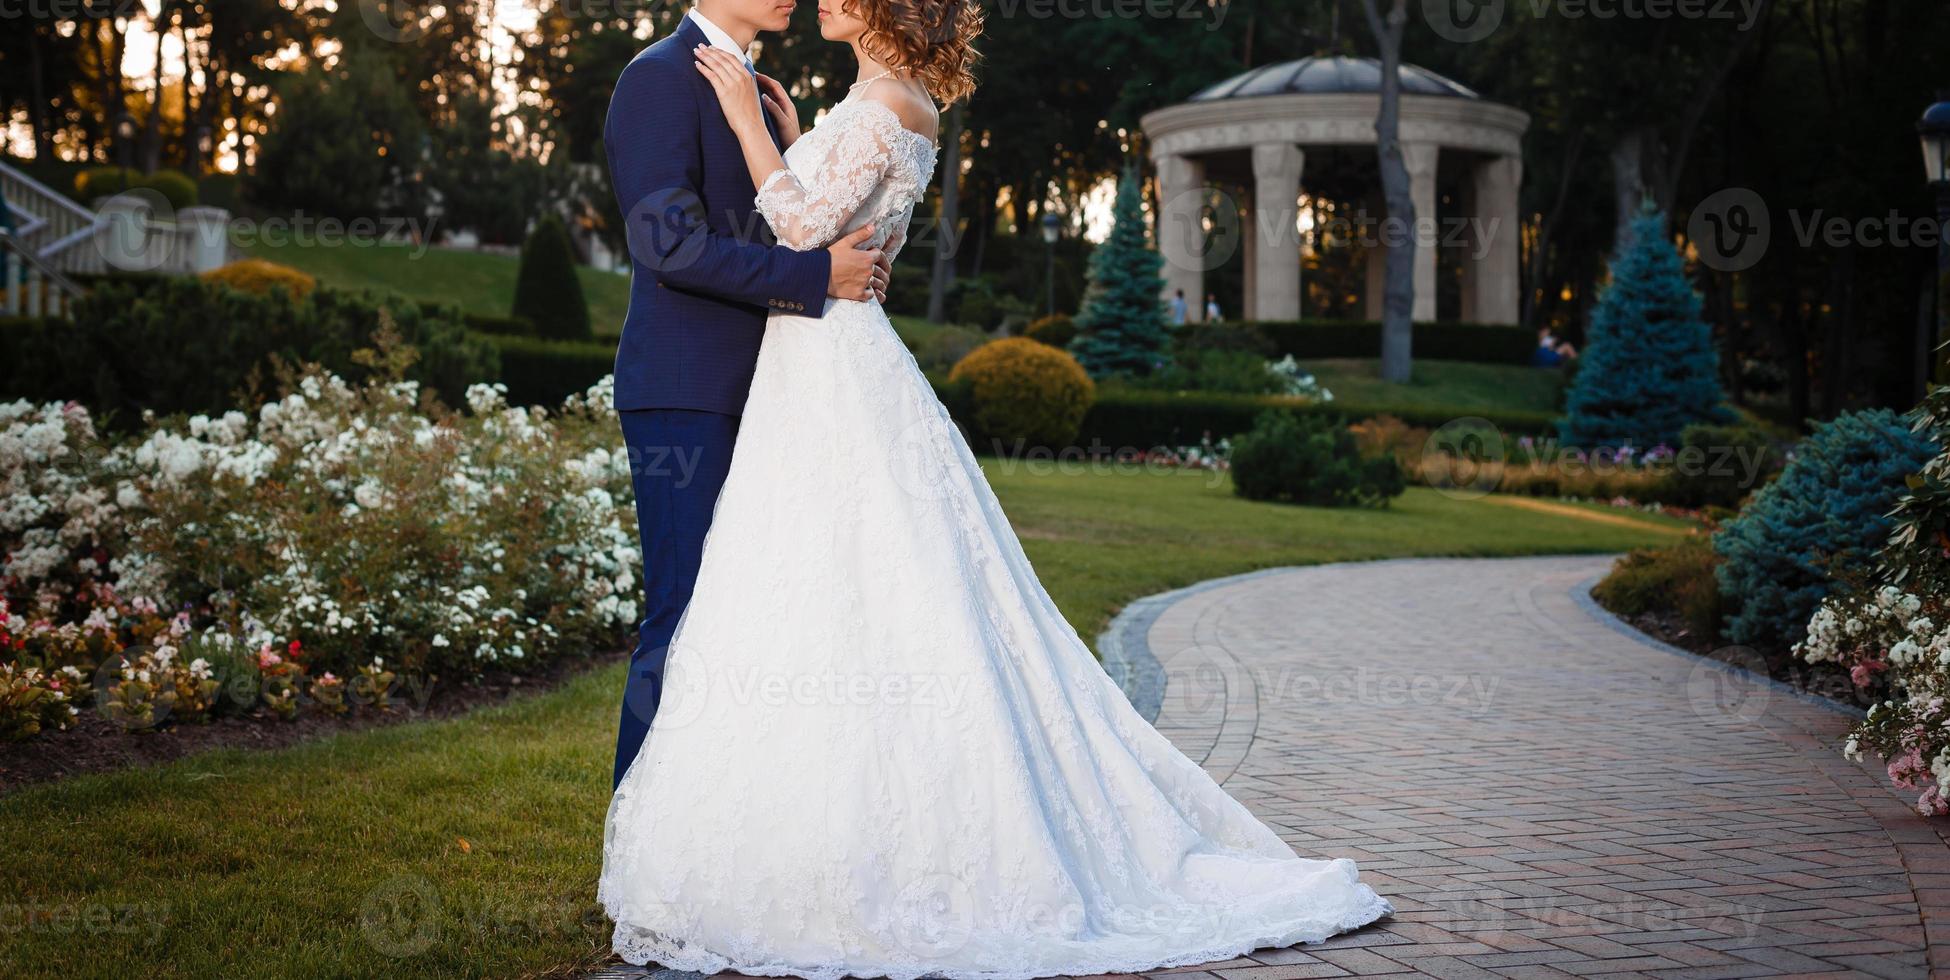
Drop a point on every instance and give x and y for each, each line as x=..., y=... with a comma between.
x=512, y=326
x=343, y=139
x=1132, y=418
x=1310, y=460
x=482, y=185
x=181, y=344
x=1320, y=339
x=1121, y=329
x=1824, y=516
x=547, y=292
x=1719, y=465
x=1057, y=330
x=1677, y=578
x=1650, y=368
x=1235, y=371
x=543, y=372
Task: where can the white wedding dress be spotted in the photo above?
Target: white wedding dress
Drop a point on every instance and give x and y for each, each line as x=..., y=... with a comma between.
x=881, y=751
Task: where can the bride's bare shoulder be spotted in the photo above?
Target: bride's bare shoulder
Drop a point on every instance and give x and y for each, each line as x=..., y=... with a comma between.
x=911, y=105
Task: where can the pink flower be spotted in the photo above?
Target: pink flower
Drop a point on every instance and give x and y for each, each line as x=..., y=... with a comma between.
x=1865, y=672
x=1932, y=803
x=1906, y=769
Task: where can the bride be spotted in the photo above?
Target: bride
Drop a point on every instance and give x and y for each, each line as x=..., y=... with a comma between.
x=880, y=750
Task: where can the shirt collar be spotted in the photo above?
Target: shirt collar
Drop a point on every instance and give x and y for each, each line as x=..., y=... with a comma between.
x=717, y=36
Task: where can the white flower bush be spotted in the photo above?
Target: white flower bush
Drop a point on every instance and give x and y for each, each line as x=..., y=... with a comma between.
x=1892, y=632
x=344, y=525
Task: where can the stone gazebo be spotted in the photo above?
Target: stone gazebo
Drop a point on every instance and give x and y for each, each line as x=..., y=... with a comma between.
x=1253, y=131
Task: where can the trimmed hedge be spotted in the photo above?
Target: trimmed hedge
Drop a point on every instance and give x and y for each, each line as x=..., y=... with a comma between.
x=539, y=372
x=1315, y=339
x=182, y=344
x=543, y=372
x=1131, y=418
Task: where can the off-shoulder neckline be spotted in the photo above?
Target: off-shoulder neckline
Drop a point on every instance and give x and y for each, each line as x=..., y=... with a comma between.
x=898, y=124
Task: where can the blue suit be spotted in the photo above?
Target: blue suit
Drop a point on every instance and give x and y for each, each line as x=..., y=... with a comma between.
x=705, y=273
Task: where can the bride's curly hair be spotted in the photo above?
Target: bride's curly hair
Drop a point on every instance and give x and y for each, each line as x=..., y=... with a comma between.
x=934, y=40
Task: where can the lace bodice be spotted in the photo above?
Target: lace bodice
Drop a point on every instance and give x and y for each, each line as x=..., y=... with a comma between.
x=858, y=165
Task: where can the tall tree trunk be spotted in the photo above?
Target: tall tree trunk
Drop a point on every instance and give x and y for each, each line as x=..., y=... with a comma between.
x=37, y=94
x=192, y=111
x=1398, y=296
x=152, y=126
x=946, y=238
x=1629, y=182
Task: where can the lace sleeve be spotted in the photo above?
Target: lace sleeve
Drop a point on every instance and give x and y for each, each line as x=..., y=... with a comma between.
x=809, y=215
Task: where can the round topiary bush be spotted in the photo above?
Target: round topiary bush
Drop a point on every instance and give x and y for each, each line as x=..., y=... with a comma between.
x=260, y=276
x=1056, y=330
x=1025, y=393
x=1825, y=514
x=173, y=186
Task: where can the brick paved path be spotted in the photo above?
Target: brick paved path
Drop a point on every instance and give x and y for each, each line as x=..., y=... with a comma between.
x=1539, y=791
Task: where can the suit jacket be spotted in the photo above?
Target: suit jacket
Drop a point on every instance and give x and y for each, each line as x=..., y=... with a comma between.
x=705, y=271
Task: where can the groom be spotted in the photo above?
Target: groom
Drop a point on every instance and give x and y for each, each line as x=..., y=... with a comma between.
x=705, y=272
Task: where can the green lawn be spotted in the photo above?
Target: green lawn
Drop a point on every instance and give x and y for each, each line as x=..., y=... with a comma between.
x=343, y=856
x=1457, y=386
x=478, y=282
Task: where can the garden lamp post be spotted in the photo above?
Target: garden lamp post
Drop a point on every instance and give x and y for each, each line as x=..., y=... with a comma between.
x=1052, y=230
x=1934, y=129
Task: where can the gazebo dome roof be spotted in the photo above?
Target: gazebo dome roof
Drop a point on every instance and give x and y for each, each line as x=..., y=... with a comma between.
x=1329, y=76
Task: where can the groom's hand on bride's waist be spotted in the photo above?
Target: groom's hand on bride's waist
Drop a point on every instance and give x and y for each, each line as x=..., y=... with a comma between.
x=859, y=271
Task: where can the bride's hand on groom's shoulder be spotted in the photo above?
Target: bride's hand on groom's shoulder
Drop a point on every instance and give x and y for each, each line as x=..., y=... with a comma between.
x=736, y=93
x=779, y=104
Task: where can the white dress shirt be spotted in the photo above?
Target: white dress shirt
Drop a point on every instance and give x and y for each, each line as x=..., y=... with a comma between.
x=718, y=37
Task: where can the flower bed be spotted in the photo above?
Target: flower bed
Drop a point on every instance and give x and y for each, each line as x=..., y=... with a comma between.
x=315, y=555
x=1890, y=629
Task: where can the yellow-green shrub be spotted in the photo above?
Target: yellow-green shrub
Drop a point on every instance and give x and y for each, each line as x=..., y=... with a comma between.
x=259, y=276
x=1025, y=393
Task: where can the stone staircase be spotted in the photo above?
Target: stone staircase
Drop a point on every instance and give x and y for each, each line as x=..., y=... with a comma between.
x=54, y=241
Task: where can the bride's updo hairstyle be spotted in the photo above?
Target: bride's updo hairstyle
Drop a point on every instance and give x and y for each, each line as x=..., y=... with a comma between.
x=934, y=40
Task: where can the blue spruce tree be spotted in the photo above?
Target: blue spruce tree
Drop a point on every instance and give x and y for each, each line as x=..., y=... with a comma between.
x=1649, y=368
x=1121, y=327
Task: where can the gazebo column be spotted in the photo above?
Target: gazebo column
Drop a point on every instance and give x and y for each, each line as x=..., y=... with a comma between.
x=1420, y=160
x=1249, y=258
x=1276, y=213
x=1492, y=290
x=1181, y=230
